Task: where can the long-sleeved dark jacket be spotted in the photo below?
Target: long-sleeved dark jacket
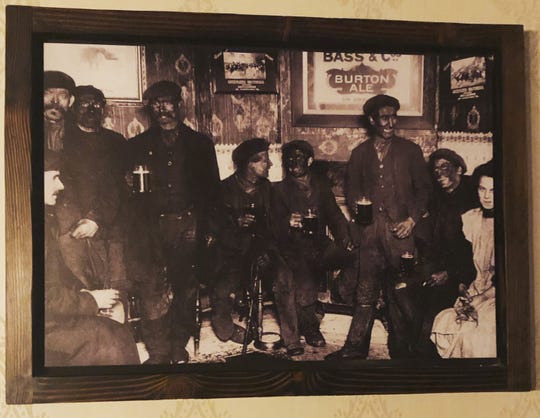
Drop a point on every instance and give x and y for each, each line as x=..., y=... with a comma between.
x=409, y=175
x=234, y=241
x=290, y=196
x=93, y=176
x=183, y=176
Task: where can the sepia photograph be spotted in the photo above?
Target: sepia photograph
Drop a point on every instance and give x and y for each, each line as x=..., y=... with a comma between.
x=270, y=207
x=174, y=245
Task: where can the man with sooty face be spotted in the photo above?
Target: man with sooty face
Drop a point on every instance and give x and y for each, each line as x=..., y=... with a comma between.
x=247, y=241
x=390, y=173
x=447, y=254
x=301, y=198
x=88, y=212
x=168, y=222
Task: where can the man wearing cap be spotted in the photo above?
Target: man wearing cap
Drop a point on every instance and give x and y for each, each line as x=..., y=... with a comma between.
x=88, y=212
x=169, y=225
x=307, y=252
x=390, y=172
x=448, y=255
x=247, y=240
x=58, y=97
x=77, y=333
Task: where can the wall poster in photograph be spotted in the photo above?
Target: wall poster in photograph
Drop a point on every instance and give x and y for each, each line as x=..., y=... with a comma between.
x=338, y=83
x=243, y=71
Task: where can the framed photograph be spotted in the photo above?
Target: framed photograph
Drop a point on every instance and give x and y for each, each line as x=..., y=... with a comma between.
x=127, y=330
x=244, y=72
x=92, y=65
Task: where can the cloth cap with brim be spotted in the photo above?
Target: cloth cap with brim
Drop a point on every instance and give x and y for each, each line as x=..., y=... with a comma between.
x=247, y=149
x=448, y=155
x=58, y=80
x=163, y=88
x=88, y=90
x=372, y=105
x=297, y=144
x=51, y=161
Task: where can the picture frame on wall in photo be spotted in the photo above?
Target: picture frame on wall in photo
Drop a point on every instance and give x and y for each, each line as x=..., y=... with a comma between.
x=284, y=79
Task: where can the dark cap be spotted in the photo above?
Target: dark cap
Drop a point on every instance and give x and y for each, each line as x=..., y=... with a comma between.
x=163, y=88
x=88, y=90
x=247, y=149
x=448, y=155
x=51, y=161
x=58, y=80
x=297, y=144
x=372, y=105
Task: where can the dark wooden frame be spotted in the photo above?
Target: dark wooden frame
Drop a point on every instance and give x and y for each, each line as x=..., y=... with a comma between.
x=513, y=370
x=299, y=118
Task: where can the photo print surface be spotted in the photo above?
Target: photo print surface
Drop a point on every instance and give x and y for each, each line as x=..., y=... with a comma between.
x=191, y=217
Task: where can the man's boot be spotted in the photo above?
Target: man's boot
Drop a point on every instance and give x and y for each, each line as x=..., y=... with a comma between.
x=357, y=344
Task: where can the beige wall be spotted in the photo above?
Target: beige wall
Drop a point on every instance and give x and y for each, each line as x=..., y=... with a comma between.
x=494, y=405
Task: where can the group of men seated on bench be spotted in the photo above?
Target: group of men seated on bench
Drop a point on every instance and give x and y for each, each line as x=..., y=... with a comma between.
x=148, y=219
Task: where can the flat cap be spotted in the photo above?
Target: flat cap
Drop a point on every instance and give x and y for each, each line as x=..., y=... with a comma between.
x=297, y=144
x=163, y=88
x=247, y=149
x=88, y=90
x=373, y=104
x=58, y=80
x=448, y=155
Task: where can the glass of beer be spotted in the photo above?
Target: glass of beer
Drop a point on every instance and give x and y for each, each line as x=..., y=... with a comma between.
x=406, y=264
x=364, y=211
x=141, y=179
x=310, y=223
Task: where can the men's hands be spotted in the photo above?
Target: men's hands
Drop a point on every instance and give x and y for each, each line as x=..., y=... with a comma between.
x=295, y=220
x=85, y=228
x=105, y=298
x=246, y=220
x=404, y=229
x=437, y=279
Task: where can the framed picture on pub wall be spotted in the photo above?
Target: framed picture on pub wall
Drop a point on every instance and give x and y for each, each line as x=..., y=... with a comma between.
x=121, y=281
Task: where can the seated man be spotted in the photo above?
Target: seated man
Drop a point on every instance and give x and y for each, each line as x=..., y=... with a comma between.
x=300, y=195
x=77, y=329
x=245, y=238
x=447, y=254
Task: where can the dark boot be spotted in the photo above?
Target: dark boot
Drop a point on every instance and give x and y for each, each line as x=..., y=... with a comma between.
x=359, y=336
x=156, y=337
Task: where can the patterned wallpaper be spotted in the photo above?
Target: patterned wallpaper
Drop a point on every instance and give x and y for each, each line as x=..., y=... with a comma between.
x=506, y=405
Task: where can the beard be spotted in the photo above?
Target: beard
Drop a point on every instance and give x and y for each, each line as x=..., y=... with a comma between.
x=53, y=112
x=54, y=134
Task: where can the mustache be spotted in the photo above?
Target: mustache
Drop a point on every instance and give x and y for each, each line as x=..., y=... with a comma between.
x=54, y=106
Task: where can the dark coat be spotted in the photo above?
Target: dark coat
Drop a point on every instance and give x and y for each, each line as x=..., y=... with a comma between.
x=200, y=183
x=93, y=176
x=289, y=197
x=74, y=333
x=412, y=185
x=234, y=241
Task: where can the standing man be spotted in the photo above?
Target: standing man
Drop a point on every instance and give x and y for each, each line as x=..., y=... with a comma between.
x=390, y=172
x=169, y=225
x=58, y=97
x=299, y=194
x=247, y=238
x=448, y=255
x=88, y=212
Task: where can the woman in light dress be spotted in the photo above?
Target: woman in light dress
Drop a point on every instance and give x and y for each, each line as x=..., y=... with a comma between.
x=469, y=328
